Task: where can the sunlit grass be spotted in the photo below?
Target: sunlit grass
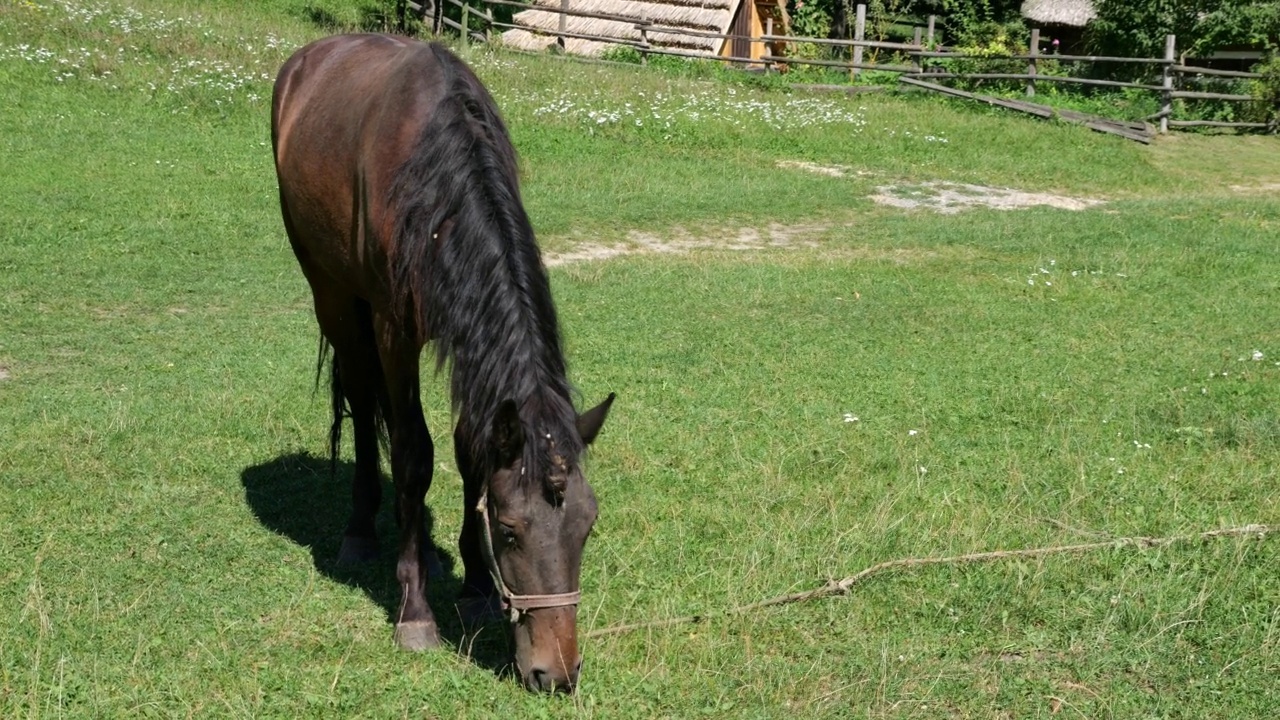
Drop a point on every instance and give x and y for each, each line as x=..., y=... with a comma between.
x=1023, y=378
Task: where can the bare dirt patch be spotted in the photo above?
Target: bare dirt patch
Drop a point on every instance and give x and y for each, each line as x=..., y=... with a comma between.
x=4, y=373
x=949, y=198
x=680, y=241
x=1266, y=187
x=827, y=170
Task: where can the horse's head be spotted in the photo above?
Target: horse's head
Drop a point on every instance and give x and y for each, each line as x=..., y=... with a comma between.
x=535, y=514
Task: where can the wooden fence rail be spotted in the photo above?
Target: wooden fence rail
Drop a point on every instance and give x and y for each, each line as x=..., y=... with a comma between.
x=923, y=53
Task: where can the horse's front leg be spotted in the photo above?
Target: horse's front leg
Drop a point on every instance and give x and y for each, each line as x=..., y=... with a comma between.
x=412, y=456
x=478, y=601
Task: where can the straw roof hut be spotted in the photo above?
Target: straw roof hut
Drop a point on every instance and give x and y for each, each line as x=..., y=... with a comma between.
x=1066, y=13
x=1065, y=21
x=538, y=28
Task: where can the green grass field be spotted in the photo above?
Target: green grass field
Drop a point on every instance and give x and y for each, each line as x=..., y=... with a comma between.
x=1020, y=379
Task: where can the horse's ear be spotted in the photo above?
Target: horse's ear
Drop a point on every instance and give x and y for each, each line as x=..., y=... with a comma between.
x=590, y=421
x=508, y=436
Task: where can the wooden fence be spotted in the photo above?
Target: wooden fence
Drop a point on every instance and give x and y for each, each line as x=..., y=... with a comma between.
x=920, y=62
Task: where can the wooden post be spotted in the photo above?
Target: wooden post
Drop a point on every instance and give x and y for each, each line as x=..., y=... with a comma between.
x=564, y=22
x=768, y=30
x=488, y=26
x=915, y=56
x=929, y=36
x=1033, y=51
x=644, y=40
x=1166, y=82
x=466, y=13
x=859, y=31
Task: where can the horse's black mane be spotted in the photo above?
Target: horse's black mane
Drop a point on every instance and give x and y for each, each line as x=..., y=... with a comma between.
x=466, y=255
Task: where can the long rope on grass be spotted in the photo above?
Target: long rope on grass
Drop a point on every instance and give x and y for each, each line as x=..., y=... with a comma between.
x=842, y=586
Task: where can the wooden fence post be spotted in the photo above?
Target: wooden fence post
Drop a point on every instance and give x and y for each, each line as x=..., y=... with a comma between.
x=859, y=31
x=929, y=36
x=915, y=57
x=768, y=51
x=564, y=23
x=1166, y=82
x=1033, y=51
x=466, y=13
x=644, y=40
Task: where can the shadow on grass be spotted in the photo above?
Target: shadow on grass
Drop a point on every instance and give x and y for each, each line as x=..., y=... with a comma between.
x=295, y=496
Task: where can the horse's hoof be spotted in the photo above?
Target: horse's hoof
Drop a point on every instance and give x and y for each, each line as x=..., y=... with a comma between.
x=357, y=550
x=475, y=610
x=417, y=635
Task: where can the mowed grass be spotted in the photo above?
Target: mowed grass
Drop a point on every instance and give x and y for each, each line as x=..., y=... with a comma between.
x=1020, y=379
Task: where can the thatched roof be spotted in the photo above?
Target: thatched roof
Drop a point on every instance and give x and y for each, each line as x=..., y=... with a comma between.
x=538, y=27
x=1072, y=13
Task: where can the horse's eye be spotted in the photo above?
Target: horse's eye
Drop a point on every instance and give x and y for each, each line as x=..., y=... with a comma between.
x=508, y=533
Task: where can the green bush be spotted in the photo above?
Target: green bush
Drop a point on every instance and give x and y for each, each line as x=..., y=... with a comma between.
x=1137, y=28
x=992, y=44
x=1266, y=92
x=621, y=53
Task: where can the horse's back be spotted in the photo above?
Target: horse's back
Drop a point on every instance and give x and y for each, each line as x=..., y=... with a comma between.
x=334, y=82
x=346, y=112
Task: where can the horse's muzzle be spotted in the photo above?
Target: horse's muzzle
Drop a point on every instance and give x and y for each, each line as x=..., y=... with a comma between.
x=546, y=649
x=552, y=681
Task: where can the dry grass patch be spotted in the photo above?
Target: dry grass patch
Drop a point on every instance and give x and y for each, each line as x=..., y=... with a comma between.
x=680, y=240
x=949, y=198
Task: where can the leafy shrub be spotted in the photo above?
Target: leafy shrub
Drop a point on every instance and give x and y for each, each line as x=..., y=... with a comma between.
x=992, y=44
x=963, y=22
x=1266, y=92
x=1137, y=28
x=621, y=53
x=1253, y=24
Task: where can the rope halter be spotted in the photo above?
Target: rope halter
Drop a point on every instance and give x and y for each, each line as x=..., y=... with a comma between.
x=514, y=605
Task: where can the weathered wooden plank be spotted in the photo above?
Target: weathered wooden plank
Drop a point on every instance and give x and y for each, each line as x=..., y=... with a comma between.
x=1078, y=116
x=836, y=63
x=1197, y=95
x=1193, y=70
x=1093, y=122
x=1044, y=78
x=1124, y=132
x=1217, y=123
x=1011, y=104
x=1075, y=58
x=840, y=43
x=846, y=89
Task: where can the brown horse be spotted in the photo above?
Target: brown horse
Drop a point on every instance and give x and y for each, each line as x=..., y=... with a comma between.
x=399, y=194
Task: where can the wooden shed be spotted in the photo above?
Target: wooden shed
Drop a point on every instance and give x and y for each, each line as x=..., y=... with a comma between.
x=1061, y=20
x=538, y=28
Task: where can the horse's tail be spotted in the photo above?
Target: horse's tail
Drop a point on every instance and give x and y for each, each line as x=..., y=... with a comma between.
x=337, y=400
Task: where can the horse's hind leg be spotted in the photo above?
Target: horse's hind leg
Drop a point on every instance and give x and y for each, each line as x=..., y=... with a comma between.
x=412, y=455
x=347, y=324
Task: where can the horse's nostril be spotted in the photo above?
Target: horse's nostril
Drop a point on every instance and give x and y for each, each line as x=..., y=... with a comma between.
x=539, y=680
x=542, y=681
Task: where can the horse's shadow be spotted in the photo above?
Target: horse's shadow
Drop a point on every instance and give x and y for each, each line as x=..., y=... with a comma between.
x=298, y=497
